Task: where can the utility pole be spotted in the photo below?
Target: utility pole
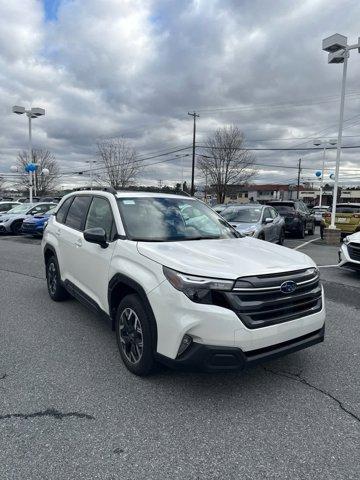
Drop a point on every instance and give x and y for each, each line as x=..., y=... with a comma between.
x=192, y=190
x=298, y=180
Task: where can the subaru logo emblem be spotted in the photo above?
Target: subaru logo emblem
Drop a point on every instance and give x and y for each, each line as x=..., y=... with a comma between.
x=288, y=287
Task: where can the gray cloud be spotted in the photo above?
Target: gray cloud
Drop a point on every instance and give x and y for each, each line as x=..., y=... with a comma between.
x=135, y=68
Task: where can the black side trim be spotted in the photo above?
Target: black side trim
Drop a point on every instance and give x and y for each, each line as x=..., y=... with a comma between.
x=213, y=358
x=85, y=299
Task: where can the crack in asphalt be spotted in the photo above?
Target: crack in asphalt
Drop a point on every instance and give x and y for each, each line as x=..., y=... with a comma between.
x=3, y=376
x=49, y=412
x=296, y=376
x=20, y=273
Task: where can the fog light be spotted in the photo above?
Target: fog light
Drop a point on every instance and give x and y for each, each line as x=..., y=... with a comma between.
x=185, y=344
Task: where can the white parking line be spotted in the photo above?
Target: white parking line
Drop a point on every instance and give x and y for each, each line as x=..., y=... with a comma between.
x=306, y=243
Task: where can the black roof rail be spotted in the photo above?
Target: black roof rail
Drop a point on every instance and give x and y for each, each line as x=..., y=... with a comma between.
x=103, y=189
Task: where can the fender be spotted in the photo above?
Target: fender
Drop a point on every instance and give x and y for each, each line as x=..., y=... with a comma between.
x=129, y=286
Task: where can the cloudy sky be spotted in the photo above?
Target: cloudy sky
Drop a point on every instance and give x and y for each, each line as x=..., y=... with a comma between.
x=103, y=68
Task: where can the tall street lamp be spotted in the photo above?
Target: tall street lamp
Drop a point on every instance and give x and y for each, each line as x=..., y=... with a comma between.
x=324, y=144
x=339, y=52
x=32, y=113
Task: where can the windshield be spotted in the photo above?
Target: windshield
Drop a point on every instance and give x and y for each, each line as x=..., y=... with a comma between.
x=171, y=219
x=242, y=215
x=21, y=208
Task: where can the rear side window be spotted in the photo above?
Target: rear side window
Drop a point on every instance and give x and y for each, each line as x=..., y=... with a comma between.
x=61, y=213
x=100, y=215
x=77, y=212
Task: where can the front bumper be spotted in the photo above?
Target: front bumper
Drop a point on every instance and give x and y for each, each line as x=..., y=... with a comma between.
x=217, y=359
x=212, y=325
x=32, y=229
x=5, y=227
x=345, y=260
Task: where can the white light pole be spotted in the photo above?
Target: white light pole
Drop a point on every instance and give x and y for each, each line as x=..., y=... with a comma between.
x=339, y=52
x=324, y=143
x=32, y=113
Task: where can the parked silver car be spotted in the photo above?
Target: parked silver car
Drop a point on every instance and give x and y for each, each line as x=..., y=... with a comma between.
x=11, y=221
x=259, y=221
x=7, y=205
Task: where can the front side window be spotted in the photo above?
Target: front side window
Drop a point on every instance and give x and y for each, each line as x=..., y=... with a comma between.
x=77, y=212
x=171, y=219
x=100, y=215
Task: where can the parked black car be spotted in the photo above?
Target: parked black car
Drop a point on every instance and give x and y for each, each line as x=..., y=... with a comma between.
x=298, y=218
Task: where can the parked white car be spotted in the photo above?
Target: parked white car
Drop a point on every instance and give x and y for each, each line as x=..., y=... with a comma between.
x=11, y=221
x=319, y=213
x=178, y=283
x=349, y=253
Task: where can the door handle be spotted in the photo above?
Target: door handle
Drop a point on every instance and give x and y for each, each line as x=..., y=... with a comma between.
x=78, y=243
x=58, y=232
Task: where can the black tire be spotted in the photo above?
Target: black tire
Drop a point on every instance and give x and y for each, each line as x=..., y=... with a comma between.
x=282, y=237
x=16, y=227
x=56, y=291
x=261, y=236
x=134, y=338
x=301, y=233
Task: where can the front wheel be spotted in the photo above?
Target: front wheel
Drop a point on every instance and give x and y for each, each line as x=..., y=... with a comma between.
x=133, y=333
x=302, y=231
x=16, y=227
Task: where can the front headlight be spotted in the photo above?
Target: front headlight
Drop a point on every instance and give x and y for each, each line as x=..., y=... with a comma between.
x=3, y=219
x=249, y=233
x=346, y=240
x=196, y=288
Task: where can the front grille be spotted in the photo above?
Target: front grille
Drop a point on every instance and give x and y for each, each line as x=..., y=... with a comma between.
x=28, y=227
x=259, y=302
x=354, y=251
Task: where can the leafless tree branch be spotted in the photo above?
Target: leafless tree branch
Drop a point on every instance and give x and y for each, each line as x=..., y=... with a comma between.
x=120, y=162
x=226, y=161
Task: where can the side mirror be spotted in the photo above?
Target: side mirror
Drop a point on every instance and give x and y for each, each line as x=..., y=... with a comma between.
x=96, y=235
x=268, y=220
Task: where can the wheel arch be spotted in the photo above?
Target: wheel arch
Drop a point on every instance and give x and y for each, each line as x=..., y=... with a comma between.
x=119, y=287
x=49, y=251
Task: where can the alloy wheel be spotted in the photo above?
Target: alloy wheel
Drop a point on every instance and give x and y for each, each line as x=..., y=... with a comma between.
x=131, y=335
x=52, y=278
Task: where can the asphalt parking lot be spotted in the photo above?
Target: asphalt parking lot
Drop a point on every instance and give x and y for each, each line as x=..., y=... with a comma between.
x=70, y=410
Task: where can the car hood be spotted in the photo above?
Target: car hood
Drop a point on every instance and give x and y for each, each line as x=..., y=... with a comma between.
x=243, y=226
x=228, y=258
x=355, y=237
x=13, y=216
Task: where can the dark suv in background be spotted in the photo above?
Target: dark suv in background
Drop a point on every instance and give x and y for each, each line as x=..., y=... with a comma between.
x=298, y=219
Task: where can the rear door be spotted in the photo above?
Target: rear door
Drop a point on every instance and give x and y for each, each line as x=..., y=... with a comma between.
x=71, y=238
x=93, y=261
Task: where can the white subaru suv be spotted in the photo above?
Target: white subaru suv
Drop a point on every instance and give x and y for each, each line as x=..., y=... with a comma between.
x=178, y=283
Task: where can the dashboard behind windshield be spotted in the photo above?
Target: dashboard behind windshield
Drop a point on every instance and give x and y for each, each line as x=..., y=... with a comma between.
x=171, y=219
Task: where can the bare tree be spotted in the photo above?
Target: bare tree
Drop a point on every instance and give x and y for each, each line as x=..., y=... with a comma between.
x=43, y=159
x=225, y=160
x=120, y=162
